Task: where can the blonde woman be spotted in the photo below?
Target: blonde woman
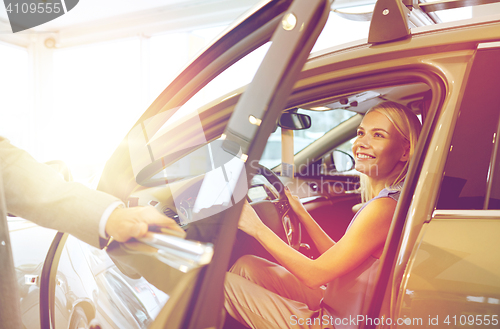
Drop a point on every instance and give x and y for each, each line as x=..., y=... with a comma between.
x=262, y=294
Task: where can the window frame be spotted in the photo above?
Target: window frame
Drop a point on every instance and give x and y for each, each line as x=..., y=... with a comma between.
x=474, y=95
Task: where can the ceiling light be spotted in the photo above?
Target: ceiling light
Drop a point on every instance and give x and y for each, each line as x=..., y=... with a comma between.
x=320, y=108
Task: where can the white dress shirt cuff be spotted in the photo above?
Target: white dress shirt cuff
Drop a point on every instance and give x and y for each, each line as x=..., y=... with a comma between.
x=105, y=217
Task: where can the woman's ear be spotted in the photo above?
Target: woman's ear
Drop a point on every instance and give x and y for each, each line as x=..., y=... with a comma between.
x=406, y=152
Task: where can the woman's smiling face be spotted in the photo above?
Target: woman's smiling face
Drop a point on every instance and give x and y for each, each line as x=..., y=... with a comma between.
x=379, y=149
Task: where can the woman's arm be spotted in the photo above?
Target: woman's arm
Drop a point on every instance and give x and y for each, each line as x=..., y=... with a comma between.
x=365, y=238
x=321, y=240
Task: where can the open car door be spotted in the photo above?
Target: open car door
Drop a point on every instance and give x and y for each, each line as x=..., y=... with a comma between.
x=192, y=272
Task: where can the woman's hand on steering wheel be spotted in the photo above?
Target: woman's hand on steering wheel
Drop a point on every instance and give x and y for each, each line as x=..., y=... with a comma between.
x=250, y=222
x=295, y=203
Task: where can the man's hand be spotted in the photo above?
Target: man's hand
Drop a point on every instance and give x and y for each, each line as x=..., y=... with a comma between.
x=126, y=223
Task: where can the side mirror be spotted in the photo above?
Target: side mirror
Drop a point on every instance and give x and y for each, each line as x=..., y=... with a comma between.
x=337, y=161
x=294, y=121
x=342, y=161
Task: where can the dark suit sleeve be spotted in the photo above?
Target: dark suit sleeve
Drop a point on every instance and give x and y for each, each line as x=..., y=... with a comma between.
x=36, y=192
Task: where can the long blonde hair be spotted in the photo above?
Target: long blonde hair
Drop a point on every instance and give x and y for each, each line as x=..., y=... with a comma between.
x=409, y=126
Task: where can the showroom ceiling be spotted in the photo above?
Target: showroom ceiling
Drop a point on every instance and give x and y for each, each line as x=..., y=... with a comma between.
x=89, y=11
x=101, y=20
x=98, y=19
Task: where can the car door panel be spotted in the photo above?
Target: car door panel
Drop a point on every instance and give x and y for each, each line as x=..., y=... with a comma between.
x=454, y=281
x=329, y=200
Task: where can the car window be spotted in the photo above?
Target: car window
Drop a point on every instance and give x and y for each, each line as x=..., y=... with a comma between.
x=472, y=173
x=163, y=135
x=236, y=76
x=204, y=162
x=321, y=123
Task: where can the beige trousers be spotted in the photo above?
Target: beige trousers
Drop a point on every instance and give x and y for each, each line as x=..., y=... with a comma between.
x=262, y=294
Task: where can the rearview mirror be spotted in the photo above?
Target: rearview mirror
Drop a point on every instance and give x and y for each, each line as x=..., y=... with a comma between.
x=294, y=121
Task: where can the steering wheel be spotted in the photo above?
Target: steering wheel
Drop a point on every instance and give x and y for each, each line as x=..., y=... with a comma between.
x=288, y=225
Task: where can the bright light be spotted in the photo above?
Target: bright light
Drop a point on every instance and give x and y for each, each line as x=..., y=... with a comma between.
x=101, y=90
x=335, y=34
x=320, y=108
x=97, y=98
x=16, y=96
x=289, y=21
x=255, y=121
x=456, y=14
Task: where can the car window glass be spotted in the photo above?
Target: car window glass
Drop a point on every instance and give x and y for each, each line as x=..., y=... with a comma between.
x=165, y=134
x=236, y=76
x=321, y=123
x=209, y=170
x=471, y=167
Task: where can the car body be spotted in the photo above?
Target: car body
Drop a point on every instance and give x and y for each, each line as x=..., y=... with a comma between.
x=441, y=262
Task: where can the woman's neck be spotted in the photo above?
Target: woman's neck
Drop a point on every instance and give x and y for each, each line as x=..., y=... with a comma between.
x=377, y=186
x=378, y=183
